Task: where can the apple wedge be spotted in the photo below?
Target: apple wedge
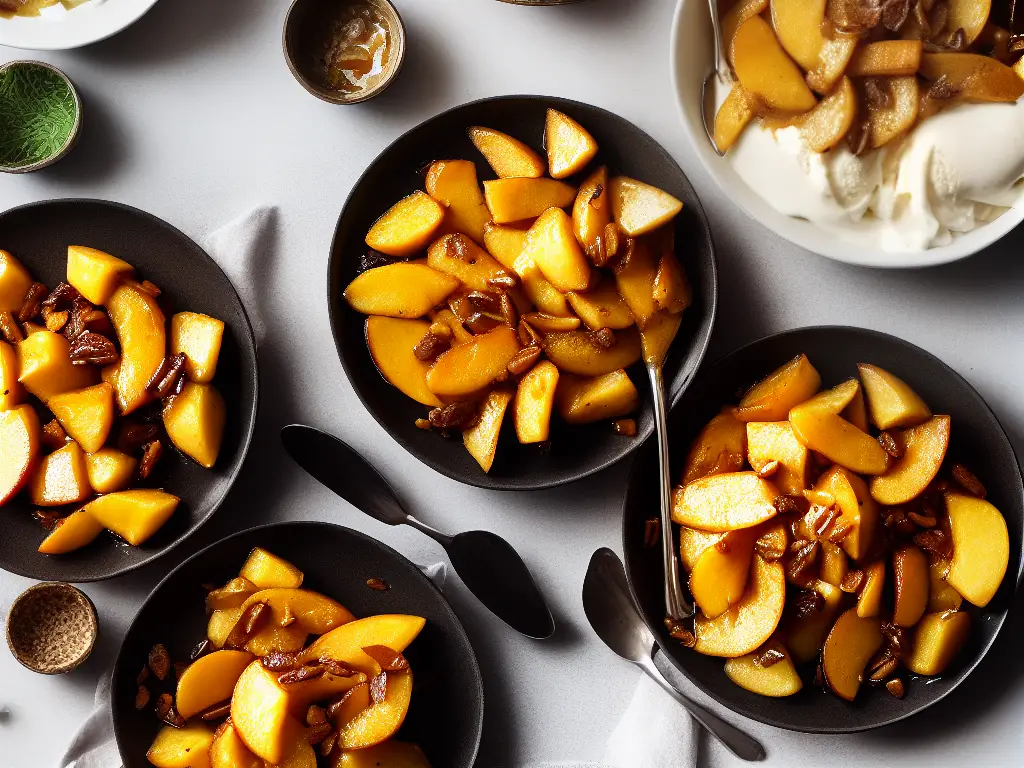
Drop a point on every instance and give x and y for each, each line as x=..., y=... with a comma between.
x=924, y=448
x=141, y=331
x=407, y=226
x=552, y=246
x=453, y=183
x=720, y=447
x=639, y=208
x=570, y=147
x=457, y=255
x=764, y=69
x=468, y=368
x=938, y=638
x=778, y=680
x=798, y=25
x=268, y=571
x=229, y=751
x=313, y=613
x=575, y=352
x=15, y=281
x=828, y=123
x=19, y=445
x=187, y=747
x=209, y=680
x=836, y=52
x=12, y=393
x=847, y=651
x=887, y=58
x=382, y=719
x=133, y=515
x=772, y=398
x=61, y=478
x=389, y=754
x=856, y=412
x=635, y=281
x=672, y=290
x=749, y=623
x=981, y=548
x=869, y=601
x=941, y=595
x=725, y=502
x=95, y=274
x=737, y=14
x=805, y=635
x=858, y=510
x=346, y=643
x=194, y=420
x=734, y=114
x=775, y=441
x=515, y=199
x=45, y=367
x=719, y=577
x=535, y=399
x=592, y=212
x=890, y=400
x=260, y=715
x=391, y=342
x=481, y=440
x=973, y=77
x=87, y=415
x=911, y=581
x=892, y=121
x=584, y=400
x=405, y=290
x=79, y=529
x=819, y=426
x=601, y=307
x=507, y=156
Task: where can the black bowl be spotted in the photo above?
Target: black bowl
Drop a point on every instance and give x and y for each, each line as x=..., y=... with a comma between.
x=39, y=235
x=446, y=715
x=576, y=451
x=977, y=439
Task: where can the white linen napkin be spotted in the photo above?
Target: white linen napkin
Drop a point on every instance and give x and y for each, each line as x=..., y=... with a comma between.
x=93, y=745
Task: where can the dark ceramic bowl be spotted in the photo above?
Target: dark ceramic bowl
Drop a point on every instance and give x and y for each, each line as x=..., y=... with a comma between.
x=39, y=235
x=446, y=715
x=575, y=451
x=977, y=439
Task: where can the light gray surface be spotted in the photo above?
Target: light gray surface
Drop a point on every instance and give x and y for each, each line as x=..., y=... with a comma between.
x=192, y=115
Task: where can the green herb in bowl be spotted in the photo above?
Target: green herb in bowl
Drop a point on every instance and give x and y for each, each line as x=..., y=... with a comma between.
x=40, y=115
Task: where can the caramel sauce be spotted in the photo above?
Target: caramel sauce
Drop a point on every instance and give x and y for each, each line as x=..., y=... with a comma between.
x=32, y=7
x=353, y=53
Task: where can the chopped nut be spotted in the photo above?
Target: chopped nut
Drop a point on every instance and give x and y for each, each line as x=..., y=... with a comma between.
x=825, y=519
x=523, y=360
x=626, y=427
x=151, y=455
x=50, y=519
x=164, y=704
x=306, y=672
x=652, y=531
x=482, y=322
x=279, y=661
x=504, y=282
x=159, y=661
x=90, y=348
x=678, y=631
x=141, y=698
x=134, y=435
x=894, y=518
x=528, y=337
x=508, y=311
x=839, y=532
x=9, y=328
x=894, y=14
x=55, y=321
x=895, y=687
x=423, y=424
x=485, y=301
x=786, y=505
x=327, y=745
x=767, y=551
x=882, y=667
x=858, y=138
x=455, y=248
x=216, y=712
x=808, y=603
x=603, y=338
x=150, y=288
x=378, y=585
x=76, y=318
x=431, y=345
x=803, y=559
x=199, y=649
x=769, y=657
x=921, y=520
x=851, y=582
x=890, y=445
x=877, y=93
x=167, y=375
x=378, y=688
x=454, y=416
x=942, y=89
x=768, y=470
x=373, y=259
x=337, y=668
x=968, y=481
x=389, y=660
x=251, y=620
x=934, y=540
x=896, y=636
x=32, y=303
x=316, y=715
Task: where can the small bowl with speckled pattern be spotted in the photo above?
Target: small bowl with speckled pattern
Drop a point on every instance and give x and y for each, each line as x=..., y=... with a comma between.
x=64, y=104
x=52, y=628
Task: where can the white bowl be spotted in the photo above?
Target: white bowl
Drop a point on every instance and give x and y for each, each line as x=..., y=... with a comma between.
x=58, y=29
x=690, y=58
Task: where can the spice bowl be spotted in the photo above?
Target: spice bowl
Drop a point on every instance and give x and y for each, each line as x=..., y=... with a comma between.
x=344, y=51
x=52, y=628
x=58, y=112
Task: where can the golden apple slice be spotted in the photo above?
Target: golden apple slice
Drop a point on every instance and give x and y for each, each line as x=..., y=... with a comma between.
x=233, y=594
x=833, y=563
x=973, y=77
x=719, y=578
x=569, y=145
x=857, y=412
x=805, y=635
x=672, y=290
x=551, y=245
x=576, y=352
x=481, y=440
x=639, y=208
x=693, y=543
x=858, y=510
x=515, y=199
x=209, y=680
x=592, y=211
x=140, y=326
x=95, y=274
x=889, y=58
x=407, y=226
x=657, y=335
x=194, y=420
x=259, y=713
x=635, y=281
x=739, y=13
x=507, y=156
x=457, y=255
x=268, y=571
x=835, y=55
x=869, y=601
x=981, y=548
x=12, y=393
x=539, y=290
x=734, y=114
x=319, y=689
x=504, y=243
x=969, y=15
x=453, y=183
x=133, y=515
x=938, y=638
x=828, y=123
x=535, y=399
x=941, y=596
x=924, y=448
x=389, y=754
x=772, y=398
x=187, y=747
x=300, y=753
x=583, y=400
x=890, y=400
x=747, y=625
x=19, y=446
x=87, y=415
x=199, y=337
x=391, y=342
x=769, y=441
x=15, y=281
x=720, y=447
x=404, y=290
x=229, y=751
x=382, y=719
x=77, y=530
x=46, y=370
x=61, y=478
x=468, y=368
x=847, y=651
x=346, y=643
x=764, y=69
x=798, y=25
x=910, y=577
x=725, y=502
x=601, y=307
x=777, y=680
x=888, y=123
x=817, y=425
x=313, y=613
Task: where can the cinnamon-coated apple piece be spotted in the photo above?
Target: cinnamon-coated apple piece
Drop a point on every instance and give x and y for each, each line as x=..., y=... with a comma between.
x=720, y=447
x=515, y=199
x=911, y=581
x=805, y=635
x=507, y=156
x=576, y=352
x=12, y=393
x=924, y=448
x=769, y=441
x=141, y=332
x=61, y=478
x=134, y=515
x=777, y=680
x=539, y=289
x=888, y=58
x=209, y=680
x=784, y=388
x=545, y=323
x=835, y=55
x=858, y=510
x=639, y=208
x=847, y=651
x=733, y=115
x=869, y=601
x=938, y=638
x=457, y=255
x=570, y=147
x=601, y=306
x=749, y=623
x=889, y=122
x=405, y=290
x=389, y=754
x=552, y=246
x=973, y=77
x=45, y=367
x=719, y=577
x=592, y=210
x=300, y=753
x=317, y=689
x=737, y=14
x=981, y=548
x=725, y=502
x=798, y=25
x=481, y=440
x=187, y=747
x=199, y=337
x=260, y=715
x=79, y=529
x=229, y=751
x=87, y=415
x=764, y=69
x=19, y=445
x=890, y=400
x=407, y=226
x=969, y=15
x=194, y=420
x=535, y=399
x=586, y=399
x=453, y=183
x=95, y=274
x=468, y=368
x=828, y=123
x=635, y=280
x=819, y=426
x=391, y=342
x=15, y=281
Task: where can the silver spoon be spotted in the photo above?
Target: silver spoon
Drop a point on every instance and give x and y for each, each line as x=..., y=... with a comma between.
x=721, y=71
x=616, y=620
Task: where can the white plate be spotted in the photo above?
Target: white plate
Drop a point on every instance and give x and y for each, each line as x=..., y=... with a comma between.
x=58, y=29
x=690, y=59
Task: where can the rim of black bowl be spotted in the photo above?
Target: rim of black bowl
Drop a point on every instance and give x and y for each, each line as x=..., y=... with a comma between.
x=698, y=347
x=963, y=673
x=399, y=557
x=246, y=436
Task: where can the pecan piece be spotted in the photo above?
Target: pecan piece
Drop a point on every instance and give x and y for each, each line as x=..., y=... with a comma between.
x=335, y=706
x=851, y=582
x=803, y=560
x=942, y=89
x=141, y=698
x=808, y=603
x=337, y=668
x=377, y=585
x=528, y=337
x=523, y=360
x=151, y=288
x=32, y=304
x=501, y=283
x=652, y=531
x=159, y=661
x=454, y=416
x=882, y=667
x=935, y=541
x=164, y=704
x=306, y=672
x=9, y=328
x=839, y=532
x=63, y=295
x=90, y=348
x=255, y=616
x=278, y=661
x=373, y=259
x=134, y=435
x=431, y=345
x=769, y=657
x=890, y=445
x=877, y=93
x=895, y=687
x=785, y=505
x=624, y=427
x=968, y=481
x=166, y=377
x=389, y=660
x=485, y=301
x=678, y=631
x=924, y=521
x=143, y=676
x=151, y=455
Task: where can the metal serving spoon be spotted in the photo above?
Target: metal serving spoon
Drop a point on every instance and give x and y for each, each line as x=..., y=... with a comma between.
x=615, y=618
x=721, y=71
x=488, y=564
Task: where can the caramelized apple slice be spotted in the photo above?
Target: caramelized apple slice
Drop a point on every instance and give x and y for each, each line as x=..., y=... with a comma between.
x=769, y=441
x=457, y=255
x=481, y=440
x=806, y=634
x=657, y=336
x=798, y=25
x=720, y=447
x=61, y=478
x=382, y=719
x=592, y=210
x=887, y=123
x=535, y=399
x=827, y=124
x=635, y=281
x=719, y=578
x=858, y=510
x=576, y=352
x=848, y=649
x=453, y=183
x=817, y=425
x=783, y=389
x=78, y=530
x=515, y=199
x=739, y=13
x=15, y=281
x=209, y=680
x=887, y=58
x=777, y=680
x=552, y=246
x=391, y=342
x=941, y=594
x=569, y=145
x=404, y=290
x=749, y=623
x=407, y=226
x=890, y=400
x=869, y=601
x=968, y=15
x=973, y=77
x=725, y=502
x=19, y=445
x=924, y=448
x=601, y=307
x=910, y=577
x=639, y=208
x=938, y=638
x=733, y=115
x=507, y=156
x=981, y=548
x=763, y=68
x=468, y=368
x=835, y=55
x=585, y=399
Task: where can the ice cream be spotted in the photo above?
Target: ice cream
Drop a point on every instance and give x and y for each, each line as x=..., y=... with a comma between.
x=953, y=173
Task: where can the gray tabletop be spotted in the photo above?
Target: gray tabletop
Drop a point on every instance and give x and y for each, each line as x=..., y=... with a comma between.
x=192, y=115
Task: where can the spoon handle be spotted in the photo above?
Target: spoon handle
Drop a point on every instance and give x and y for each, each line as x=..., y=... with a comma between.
x=736, y=741
x=677, y=606
x=721, y=66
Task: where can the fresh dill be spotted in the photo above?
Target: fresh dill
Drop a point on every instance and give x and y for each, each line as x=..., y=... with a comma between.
x=37, y=114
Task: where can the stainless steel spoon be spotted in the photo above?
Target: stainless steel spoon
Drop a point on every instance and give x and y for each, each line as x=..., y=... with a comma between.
x=616, y=620
x=488, y=565
x=721, y=71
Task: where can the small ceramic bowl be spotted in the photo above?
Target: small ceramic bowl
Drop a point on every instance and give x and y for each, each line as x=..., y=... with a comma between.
x=299, y=57
x=52, y=628
x=691, y=58
x=76, y=129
